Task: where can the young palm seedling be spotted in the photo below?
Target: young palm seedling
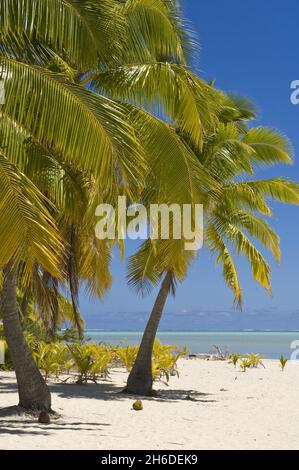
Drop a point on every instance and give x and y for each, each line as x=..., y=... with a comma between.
x=83, y=362
x=256, y=360
x=245, y=364
x=127, y=356
x=283, y=362
x=235, y=358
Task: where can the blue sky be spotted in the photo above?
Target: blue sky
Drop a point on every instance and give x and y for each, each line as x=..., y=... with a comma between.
x=250, y=48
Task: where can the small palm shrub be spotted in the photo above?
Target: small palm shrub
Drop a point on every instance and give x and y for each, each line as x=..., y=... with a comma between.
x=245, y=364
x=249, y=361
x=126, y=356
x=235, y=358
x=51, y=358
x=83, y=362
x=103, y=358
x=91, y=361
x=255, y=360
x=283, y=362
x=164, y=361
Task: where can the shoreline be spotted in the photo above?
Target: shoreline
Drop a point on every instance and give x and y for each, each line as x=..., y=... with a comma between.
x=271, y=344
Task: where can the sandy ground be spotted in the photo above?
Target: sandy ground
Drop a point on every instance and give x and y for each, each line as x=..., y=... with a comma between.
x=231, y=410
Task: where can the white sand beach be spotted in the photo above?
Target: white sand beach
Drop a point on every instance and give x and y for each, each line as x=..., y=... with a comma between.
x=257, y=409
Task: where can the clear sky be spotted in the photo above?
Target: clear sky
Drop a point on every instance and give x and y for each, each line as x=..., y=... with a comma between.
x=250, y=48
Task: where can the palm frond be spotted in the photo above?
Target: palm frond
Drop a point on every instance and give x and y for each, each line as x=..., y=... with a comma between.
x=166, y=88
x=269, y=146
x=257, y=228
x=156, y=24
x=247, y=196
x=83, y=30
x=277, y=189
x=89, y=130
x=27, y=231
x=175, y=173
x=261, y=271
x=216, y=244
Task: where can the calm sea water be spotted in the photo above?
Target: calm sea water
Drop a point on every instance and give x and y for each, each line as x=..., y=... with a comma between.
x=269, y=343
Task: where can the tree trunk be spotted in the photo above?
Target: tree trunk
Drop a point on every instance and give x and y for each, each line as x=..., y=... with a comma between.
x=25, y=303
x=140, y=380
x=33, y=391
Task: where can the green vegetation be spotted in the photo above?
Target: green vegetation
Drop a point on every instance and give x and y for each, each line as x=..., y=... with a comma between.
x=245, y=364
x=84, y=82
x=91, y=362
x=127, y=356
x=235, y=358
x=255, y=360
x=164, y=360
x=283, y=362
x=236, y=217
x=248, y=361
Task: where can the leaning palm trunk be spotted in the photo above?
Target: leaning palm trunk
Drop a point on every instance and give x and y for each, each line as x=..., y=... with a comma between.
x=140, y=380
x=33, y=391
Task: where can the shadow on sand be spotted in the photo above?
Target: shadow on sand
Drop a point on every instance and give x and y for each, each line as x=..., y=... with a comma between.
x=108, y=391
x=15, y=420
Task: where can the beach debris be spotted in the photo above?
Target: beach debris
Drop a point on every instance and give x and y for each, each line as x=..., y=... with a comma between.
x=44, y=418
x=223, y=390
x=190, y=398
x=138, y=405
x=219, y=353
x=213, y=356
x=205, y=357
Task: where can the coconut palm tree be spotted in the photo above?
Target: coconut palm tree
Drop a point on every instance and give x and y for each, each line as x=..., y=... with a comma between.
x=234, y=218
x=50, y=51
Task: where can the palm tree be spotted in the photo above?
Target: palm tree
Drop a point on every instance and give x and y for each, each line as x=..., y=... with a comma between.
x=229, y=155
x=50, y=50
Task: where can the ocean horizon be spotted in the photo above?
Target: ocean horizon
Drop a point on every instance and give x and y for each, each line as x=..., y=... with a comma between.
x=270, y=343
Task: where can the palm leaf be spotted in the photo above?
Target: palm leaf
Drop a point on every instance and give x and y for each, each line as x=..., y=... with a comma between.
x=86, y=31
x=218, y=247
x=269, y=146
x=156, y=24
x=27, y=231
x=166, y=88
x=87, y=129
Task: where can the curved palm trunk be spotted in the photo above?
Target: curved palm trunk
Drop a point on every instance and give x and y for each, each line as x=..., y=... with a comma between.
x=140, y=380
x=33, y=391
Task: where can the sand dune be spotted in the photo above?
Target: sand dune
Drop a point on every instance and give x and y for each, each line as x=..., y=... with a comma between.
x=210, y=406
